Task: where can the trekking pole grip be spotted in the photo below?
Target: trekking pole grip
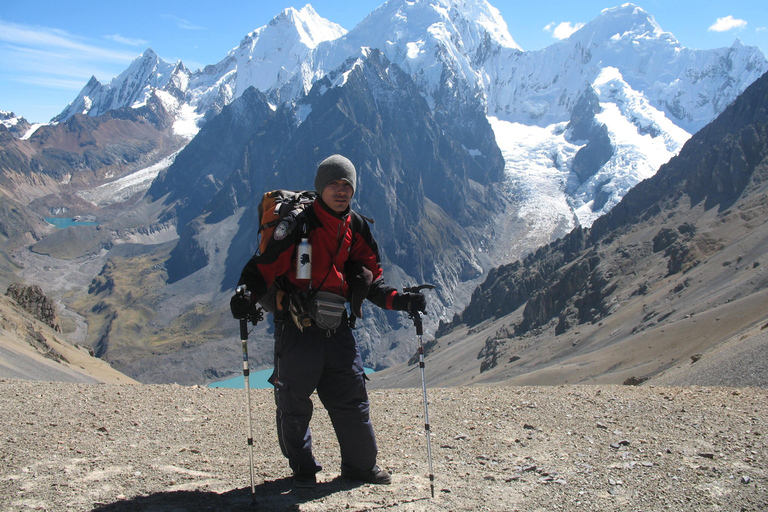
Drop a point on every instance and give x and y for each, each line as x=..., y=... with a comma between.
x=416, y=315
x=255, y=315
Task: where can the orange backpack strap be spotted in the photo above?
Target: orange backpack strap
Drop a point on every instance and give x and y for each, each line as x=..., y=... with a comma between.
x=278, y=210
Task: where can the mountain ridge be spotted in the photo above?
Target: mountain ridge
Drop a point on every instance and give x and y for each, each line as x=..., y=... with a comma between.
x=627, y=21
x=459, y=179
x=454, y=50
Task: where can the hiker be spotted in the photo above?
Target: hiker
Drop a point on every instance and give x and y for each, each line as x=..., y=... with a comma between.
x=315, y=348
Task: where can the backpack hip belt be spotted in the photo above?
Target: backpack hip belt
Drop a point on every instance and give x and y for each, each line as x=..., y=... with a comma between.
x=324, y=311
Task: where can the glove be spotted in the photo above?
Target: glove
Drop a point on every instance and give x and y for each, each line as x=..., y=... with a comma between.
x=359, y=279
x=411, y=302
x=241, y=305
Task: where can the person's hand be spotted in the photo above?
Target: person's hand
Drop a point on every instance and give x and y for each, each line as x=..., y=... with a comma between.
x=359, y=279
x=411, y=302
x=241, y=305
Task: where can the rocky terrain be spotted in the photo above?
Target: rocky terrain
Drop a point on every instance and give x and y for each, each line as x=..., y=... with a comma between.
x=173, y=448
x=32, y=299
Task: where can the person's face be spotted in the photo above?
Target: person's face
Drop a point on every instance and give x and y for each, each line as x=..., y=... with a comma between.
x=337, y=195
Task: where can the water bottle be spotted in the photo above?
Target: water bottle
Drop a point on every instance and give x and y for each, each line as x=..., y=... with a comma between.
x=304, y=260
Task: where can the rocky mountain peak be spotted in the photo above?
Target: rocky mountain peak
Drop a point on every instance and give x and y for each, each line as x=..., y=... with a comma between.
x=149, y=69
x=576, y=280
x=149, y=55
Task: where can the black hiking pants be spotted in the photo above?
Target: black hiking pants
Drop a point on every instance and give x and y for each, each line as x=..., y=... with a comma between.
x=331, y=364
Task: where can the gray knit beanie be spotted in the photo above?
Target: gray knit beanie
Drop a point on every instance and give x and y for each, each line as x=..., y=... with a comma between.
x=335, y=167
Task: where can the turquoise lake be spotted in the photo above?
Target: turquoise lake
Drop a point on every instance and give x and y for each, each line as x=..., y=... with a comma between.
x=67, y=222
x=257, y=380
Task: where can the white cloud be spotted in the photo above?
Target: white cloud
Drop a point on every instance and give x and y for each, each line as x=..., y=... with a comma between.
x=562, y=30
x=182, y=23
x=126, y=40
x=726, y=24
x=26, y=36
x=53, y=83
x=55, y=59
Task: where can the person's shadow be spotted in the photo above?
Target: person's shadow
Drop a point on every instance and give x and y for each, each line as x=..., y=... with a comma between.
x=270, y=495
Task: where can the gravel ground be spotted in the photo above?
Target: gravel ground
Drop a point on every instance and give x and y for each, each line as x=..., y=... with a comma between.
x=105, y=447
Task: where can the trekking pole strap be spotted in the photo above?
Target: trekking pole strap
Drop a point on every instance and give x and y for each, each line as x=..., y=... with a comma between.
x=416, y=315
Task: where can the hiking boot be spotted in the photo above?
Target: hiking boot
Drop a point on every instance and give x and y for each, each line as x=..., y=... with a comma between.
x=375, y=475
x=304, y=480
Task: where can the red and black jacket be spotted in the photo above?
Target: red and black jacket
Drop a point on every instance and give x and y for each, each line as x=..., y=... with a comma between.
x=336, y=243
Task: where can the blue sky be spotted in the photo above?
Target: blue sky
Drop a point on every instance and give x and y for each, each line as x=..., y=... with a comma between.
x=49, y=49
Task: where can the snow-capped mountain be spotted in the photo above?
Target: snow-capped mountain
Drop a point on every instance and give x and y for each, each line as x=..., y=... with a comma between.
x=443, y=44
x=653, y=93
x=9, y=119
x=131, y=88
x=276, y=59
x=16, y=125
x=270, y=58
x=690, y=86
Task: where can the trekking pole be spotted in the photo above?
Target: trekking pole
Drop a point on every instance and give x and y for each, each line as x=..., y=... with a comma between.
x=255, y=316
x=416, y=317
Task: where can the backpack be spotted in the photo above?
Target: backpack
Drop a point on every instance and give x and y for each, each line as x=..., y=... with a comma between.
x=277, y=211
